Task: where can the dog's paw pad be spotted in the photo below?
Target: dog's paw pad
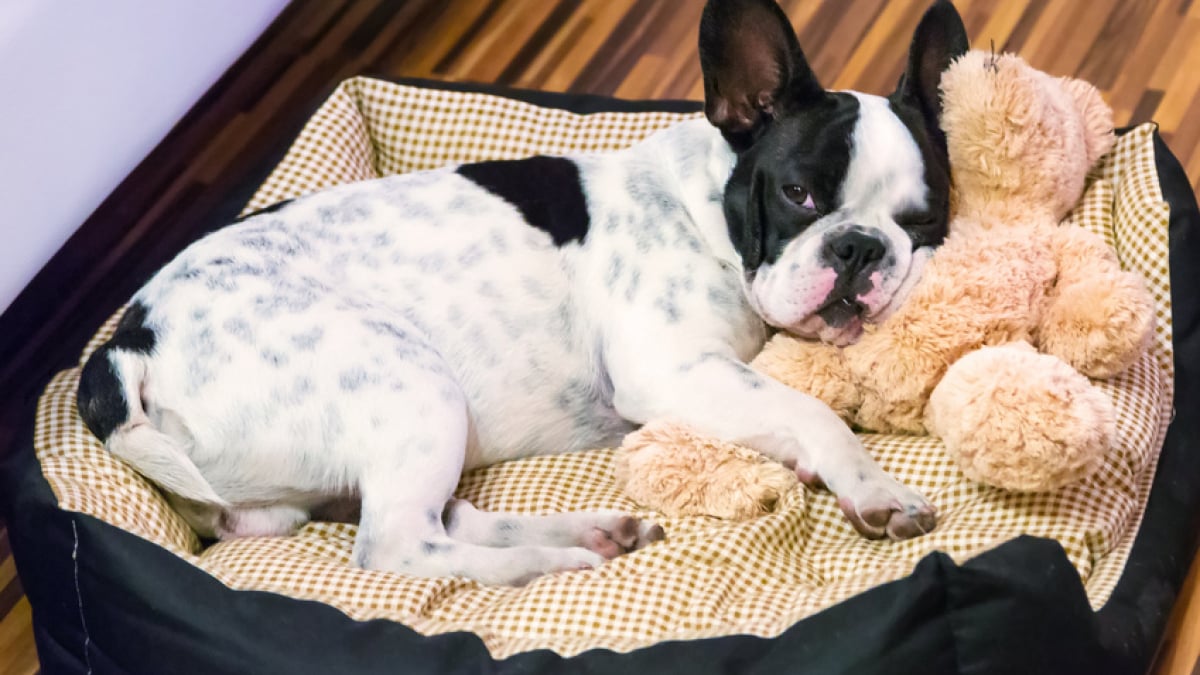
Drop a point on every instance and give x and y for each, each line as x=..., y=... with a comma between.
x=601, y=542
x=881, y=515
x=627, y=533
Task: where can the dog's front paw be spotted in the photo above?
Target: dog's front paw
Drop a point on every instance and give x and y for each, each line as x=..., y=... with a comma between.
x=884, y=508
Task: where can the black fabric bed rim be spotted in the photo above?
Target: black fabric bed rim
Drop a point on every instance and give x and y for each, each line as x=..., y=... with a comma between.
x=106, y=601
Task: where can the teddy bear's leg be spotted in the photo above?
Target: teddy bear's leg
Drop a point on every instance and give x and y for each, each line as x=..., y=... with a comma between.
x=1098, y=318
x=1020, y=420
x=672, y=469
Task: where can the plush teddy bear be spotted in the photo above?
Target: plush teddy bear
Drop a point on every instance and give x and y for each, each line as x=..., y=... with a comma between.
x=993, y=348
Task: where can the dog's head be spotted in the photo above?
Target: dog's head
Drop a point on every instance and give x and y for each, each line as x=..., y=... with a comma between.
x=836, y=197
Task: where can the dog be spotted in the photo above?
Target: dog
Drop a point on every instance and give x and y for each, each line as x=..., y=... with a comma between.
x=372, y=341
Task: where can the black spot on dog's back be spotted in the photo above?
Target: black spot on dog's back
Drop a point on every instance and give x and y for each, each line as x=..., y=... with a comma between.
x=101, y=398
x=546, y=190
x=132, y=334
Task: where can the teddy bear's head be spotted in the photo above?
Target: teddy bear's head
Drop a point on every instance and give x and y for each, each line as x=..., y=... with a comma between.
x=1020, y=141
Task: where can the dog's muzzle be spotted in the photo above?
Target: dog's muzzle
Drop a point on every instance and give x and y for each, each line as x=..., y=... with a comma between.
x=830, y=290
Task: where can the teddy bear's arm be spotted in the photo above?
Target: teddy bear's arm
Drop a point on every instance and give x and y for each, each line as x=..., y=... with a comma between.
x=1098, y=317
x=814, y=368
x=896, y=369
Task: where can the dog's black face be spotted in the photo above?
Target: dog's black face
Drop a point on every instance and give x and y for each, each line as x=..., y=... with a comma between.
x=836, y=197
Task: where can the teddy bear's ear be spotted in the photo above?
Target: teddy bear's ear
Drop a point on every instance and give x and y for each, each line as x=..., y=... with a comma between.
x=940, y=38
x=753, y=68
x=1097, y=117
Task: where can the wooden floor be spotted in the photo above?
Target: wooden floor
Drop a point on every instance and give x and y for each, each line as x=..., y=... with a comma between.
x=1144, y=55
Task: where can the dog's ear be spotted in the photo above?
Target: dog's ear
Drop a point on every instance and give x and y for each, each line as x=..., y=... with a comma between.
x=753, y=67
x=940, y=38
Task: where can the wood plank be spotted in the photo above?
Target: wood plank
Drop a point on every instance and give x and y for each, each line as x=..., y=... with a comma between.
x=1000, y=25
x=1108, y=54
x=838, y=44
x=617, y=55
x=10, y=586
x=499, y=40
x=885, y=38
x=18, y=654
x=603, y=18
x=1180, y=93
x=1139, y=65
x=560, y=15
x=643, y=79
x=1180, y=652
x=1085, y=24
x=1020, y=32
x=1172, y=56
x=433, y=39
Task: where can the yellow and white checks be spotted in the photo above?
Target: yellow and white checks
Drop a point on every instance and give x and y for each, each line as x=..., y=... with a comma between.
x=709, y=577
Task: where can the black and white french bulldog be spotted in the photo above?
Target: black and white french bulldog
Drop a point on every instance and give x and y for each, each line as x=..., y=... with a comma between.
x=374, y=340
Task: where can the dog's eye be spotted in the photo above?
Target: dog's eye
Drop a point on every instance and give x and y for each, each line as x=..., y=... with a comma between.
x=925, y=228
x=917, y=219
x=799, y=196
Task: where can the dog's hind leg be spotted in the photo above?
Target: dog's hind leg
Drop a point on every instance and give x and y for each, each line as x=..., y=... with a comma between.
x=265, y=521
x=232, y=522
x=609, y=533
x=408, y=478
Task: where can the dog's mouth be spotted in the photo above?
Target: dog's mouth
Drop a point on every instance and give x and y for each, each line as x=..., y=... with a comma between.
x=841, y=311
x=838, y=322
x=841, y=321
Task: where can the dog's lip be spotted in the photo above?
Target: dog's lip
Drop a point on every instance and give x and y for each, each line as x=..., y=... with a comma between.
x=840, y=311
x=848, y=334
x=837, y=301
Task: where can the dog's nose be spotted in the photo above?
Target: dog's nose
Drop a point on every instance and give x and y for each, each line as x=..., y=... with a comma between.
x=854, y=251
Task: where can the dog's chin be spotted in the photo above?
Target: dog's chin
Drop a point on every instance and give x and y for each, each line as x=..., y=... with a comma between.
x=843, y=336
x=840, y=323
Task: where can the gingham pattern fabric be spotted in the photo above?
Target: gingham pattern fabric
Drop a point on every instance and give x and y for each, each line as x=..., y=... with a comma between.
x=709, y=577
x=370, y=128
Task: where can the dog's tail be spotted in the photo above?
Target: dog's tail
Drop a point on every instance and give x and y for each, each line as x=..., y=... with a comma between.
x=110, y=404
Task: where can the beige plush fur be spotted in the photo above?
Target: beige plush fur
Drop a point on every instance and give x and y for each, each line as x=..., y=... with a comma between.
x=1035, y=403
x=991, y=349
x=738, y=483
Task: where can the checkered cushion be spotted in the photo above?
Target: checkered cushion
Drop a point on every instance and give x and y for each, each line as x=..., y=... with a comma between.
x=710, y=577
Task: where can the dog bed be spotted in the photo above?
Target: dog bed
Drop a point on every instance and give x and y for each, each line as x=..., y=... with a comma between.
x=1082, y=578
